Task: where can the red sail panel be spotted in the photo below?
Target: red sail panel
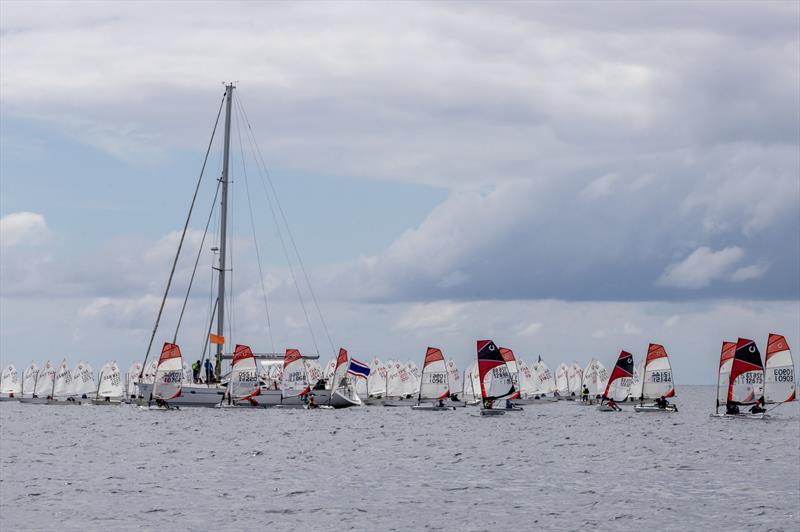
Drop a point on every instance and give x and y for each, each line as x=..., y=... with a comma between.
x=746, y=359
x=508, y=355
x=432, y=355
x=728, y=352
x=776, y=344
x=169, y=351
x=242, y=352
x=292, y=355
x=622, y=369
x=654, y=352
x=341, y=359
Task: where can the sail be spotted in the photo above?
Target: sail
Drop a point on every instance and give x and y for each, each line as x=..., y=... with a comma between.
x=619, y=383
x=132, y=380
x=407, y=384
x=562, y=379
x=340, y=370
x=294, y=381
x=314, y=372
x=415, y=379
x=83, y=380
x=602, y=376
x=46, y=380
x=637, y=384
x=525, y=379
x=376, y=382
x=747, y=373
x=10, y=382
x=169, y=373
x=435, y=377
x=779, y=382
x=29, y=377
x=328, y=373
x=453, y=377
x=243, y=382
x=188, y=376
x=110, y=382
x=657, y=376
x=591, y=379
x=150, y=373
x=513, y=370
x=545, y=382
x=723, y=378
x=63, y=383
x=493, y=373
x=575, y=378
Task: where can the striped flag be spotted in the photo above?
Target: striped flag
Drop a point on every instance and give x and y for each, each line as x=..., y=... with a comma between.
x=359, y=369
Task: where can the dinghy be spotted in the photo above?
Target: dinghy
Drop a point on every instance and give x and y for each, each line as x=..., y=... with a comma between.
x=131, y=382
x=43, y=386
x=619, y=383
x=656, y=380
x=454, y=383
x=29, y=377
x=10, y=384
x=63, y=386
x=294, y=384
x=376, y=383
x=110, y=391
x=244, y=388
x=83, y=385
x=562, y=381
x=593, y=379
x=168, y=378
x=575, y=379
x=343, y=393
x=636, y=386
x=495, y=380
x=544, y=381
x=434, y=385
x=779, y=380
x=745, y=378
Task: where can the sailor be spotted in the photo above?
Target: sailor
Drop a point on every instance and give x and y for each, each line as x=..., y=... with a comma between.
x=441, y=403
x=509, y=404
x=488, y=404
x=196, y=371
x=731, y=408
x=556, y=394
x=209, y=371
x=613, y=404
x=758, y=408
x=311, y=402
x=585, y=394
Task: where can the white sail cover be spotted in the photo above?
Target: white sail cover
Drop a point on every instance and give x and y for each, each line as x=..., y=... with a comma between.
x=575, y=378
x=525, y=377
x=376, y=382
x=657, y=376
x=10, y=382
x=294, y=381
x=63, y=385
x=545, y=382
x=46, y=380
x=83, y=381
x=779, y=380
x=110, y=382
x=169, y=373
x=562, y=379
x=132, y=379
x=454, y=377
x=243, y=382
x=29, y=377
x=434, y=382
x=636, y=385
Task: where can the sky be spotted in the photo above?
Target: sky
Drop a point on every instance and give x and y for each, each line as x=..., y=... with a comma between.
x=569, y=181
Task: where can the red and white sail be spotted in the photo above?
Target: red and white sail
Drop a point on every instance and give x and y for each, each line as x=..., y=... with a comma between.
x=434, y=381
x=657, y=377
x=340, y=370
x=724, y=376
x=619, y=383
x=747, y=373
x=294, y=380
x=779, y=381
x=243, y=383
x=513, y=370
x=493, y=374
x=169, y=373
x=562, y=379
x=453, y=377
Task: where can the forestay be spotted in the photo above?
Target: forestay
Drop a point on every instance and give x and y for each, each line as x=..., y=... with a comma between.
x=619, y=383
x=110, y=386
x=747, y=373
x=779, y=381
x=244, y=375
x=657, y=377
x=169, y=373
x=434, y=378
x=294, y=381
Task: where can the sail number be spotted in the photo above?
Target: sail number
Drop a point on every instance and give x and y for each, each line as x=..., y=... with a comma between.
x=247, y=376
x=172, y=377
x=661, y=376
x=437, y=378
x=751, y=377
x=783, y=374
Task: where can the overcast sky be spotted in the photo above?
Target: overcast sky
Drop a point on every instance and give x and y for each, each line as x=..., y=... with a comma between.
x=569, y=180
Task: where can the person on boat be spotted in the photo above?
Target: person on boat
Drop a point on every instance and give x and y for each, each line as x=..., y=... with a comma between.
x=441, y=403
x=509, y=404
x=209, y=372
x=311, y=402
x=585, y=394
x=488, y=404
x=196, y=371
x=732, y=408
x=758, y=408
x=662, y=402
x=556, y=394
x=613, y=405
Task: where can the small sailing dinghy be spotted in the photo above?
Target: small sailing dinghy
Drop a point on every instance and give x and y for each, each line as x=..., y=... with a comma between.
x=656, y=381
x=244, y=389
x=562, y=381
x=83, y=384
x=779, y=380
x=434, y=383
x=619, y=383
x=545, y=383
x=745, y=378
x=43, y=385
x=342, y=393
x=294, y=381
x=10, y=384
x=132, y=382
x=575, y=379
x=110, y=391
x=168, y=378
x=29, y=377
x=495, y=379
x=454, y=383
x=63, y=386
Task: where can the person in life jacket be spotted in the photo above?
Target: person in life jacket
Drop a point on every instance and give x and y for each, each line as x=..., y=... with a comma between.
x=758, y=408
x=196, y=371
x=488, y=404
x=613, y=405
x=585, y=394
x=732, y=408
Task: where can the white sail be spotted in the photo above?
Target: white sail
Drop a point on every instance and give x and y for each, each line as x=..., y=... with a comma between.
x=376, y=382
x=575, y=378
x=562, y=379
x=83, y=381
x=63, y=384
x=526, y=379
x=188, y=376
x=434, y=381
x=545, y=382
x=779, y=379
x=397, y=377
x=314, y=371
x=328, y=373
x=453, y=377
x=132, y=380
x=724, y=376
x=602, y=376
x=243, y=383
x=29, y=377
x=150, y=373
x=657, y=375
x=416, y=378
x=294, y=381
x=46, y=380
x=169, y=373
x=472, y=385
x=637, y=384
x=110, y=386
x=10, y=382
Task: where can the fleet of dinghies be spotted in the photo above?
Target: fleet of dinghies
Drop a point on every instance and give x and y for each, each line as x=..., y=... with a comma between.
x=498, y=381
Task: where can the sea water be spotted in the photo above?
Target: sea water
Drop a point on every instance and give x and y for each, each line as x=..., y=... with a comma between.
x=560, y=466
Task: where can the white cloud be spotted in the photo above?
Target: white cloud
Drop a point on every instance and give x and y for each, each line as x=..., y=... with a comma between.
x=701, y=268
x=746, y=273
x=531, y=329
x=438, y=316
x=22, y=228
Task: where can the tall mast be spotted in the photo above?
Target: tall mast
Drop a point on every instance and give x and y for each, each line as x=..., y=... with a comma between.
x=223, y=228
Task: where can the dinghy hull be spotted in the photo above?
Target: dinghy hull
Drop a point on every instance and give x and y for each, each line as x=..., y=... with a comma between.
x=492, y=412
x=200, y=395
x=654, y=408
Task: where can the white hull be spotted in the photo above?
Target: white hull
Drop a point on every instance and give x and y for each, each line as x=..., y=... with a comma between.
x=9, y=399
x=431, y=408
x=653, y=408
x=199, y=395
x=741, y=416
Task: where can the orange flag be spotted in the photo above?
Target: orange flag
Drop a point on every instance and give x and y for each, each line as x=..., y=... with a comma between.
x=219, y=340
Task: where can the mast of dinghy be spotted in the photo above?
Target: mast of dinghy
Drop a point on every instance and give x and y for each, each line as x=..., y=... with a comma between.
x=223, y=229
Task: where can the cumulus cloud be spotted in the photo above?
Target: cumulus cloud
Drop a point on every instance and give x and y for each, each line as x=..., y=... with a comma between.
x=22, y=228
x=701, y=268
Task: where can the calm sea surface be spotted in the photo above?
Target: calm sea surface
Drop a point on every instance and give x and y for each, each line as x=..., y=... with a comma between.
x=552, y=467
